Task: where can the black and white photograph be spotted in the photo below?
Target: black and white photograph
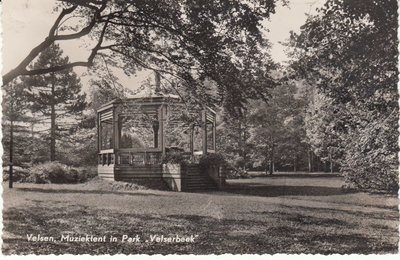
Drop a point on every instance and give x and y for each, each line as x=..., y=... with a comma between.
x=200, y=127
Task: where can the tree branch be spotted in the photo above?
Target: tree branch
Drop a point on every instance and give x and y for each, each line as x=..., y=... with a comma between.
x=63, y=13
x=21, y=68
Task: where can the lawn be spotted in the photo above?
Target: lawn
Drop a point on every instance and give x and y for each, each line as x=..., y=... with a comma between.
x=284, y=213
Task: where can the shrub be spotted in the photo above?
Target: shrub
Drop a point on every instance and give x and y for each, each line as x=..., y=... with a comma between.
x=53, y=172
x=232, y=172
x=56, y=172
x=218, y=160
x=212, y=160
x=371, y=161
x=19, y=174
x=86, y=173
x=175, y=157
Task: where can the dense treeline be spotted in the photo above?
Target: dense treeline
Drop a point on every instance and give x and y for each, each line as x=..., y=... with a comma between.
x=336, y=107
x=348, y=53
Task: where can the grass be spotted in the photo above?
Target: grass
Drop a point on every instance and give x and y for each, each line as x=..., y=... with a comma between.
x=264, y=215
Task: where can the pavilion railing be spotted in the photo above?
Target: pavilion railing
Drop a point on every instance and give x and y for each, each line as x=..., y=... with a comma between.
x=139, y=158
x=106, y=159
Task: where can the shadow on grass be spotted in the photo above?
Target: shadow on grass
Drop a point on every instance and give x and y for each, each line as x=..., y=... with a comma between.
x=264, y=190
x=299, y=175
x=296, y=175
x=392, y=215
x=288, y=232
x=59, y=191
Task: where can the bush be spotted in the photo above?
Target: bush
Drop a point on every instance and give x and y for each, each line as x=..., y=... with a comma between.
x=371, y=161
x=19, y=174
x=86, y=173
x=175, y=157
x=233, y=172
x=213, y=159
x=218, y=160
x=51, y=172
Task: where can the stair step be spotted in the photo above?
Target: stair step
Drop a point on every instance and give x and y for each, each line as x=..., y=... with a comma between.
x=200, y=189
x=197, y=178
x=199, y=183
x=196, y=186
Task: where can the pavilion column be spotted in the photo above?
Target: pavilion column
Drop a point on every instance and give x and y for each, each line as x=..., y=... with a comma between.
x=161, y=129
x=191, y=140
x=156, y=133
x=98, y=123
x=214, y=134
x=115, y=129
x=116, y=135
x=204, y=121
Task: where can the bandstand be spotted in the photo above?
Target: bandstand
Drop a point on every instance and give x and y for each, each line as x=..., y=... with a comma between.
x=137, y=133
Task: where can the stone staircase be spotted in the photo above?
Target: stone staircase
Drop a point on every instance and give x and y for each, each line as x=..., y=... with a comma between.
x=195, y=180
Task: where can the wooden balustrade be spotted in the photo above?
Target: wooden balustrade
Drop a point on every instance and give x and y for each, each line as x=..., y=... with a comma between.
x=106, y=159
x=136, y=158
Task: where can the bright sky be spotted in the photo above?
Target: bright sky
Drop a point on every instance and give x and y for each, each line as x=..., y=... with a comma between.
x=26, y=22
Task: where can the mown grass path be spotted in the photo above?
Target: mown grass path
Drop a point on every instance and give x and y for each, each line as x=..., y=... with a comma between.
x=265, y=215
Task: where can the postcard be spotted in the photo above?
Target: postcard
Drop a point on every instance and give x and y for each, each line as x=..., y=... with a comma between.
x=200, y=127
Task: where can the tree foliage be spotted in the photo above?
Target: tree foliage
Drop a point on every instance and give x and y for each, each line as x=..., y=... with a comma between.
x=15, y=112
x=191, y=40
x=323, y=126
x=348, y=51
x=233, y=139
x=277, y=129
x=267, y=135
x=56, y=95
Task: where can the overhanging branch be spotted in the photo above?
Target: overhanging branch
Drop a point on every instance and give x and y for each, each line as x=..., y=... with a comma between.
x=21, y=68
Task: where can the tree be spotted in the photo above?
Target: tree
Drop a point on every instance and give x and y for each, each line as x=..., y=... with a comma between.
x=277, y=128
x=348, y=51
x=14, y=111
x=324, y=123
x=234, y=139
x=56, y=94
x=191, y=40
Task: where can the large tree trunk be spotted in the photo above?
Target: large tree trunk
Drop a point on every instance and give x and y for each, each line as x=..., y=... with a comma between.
x=309, y=160
x=53, y=126
x=330, y=161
